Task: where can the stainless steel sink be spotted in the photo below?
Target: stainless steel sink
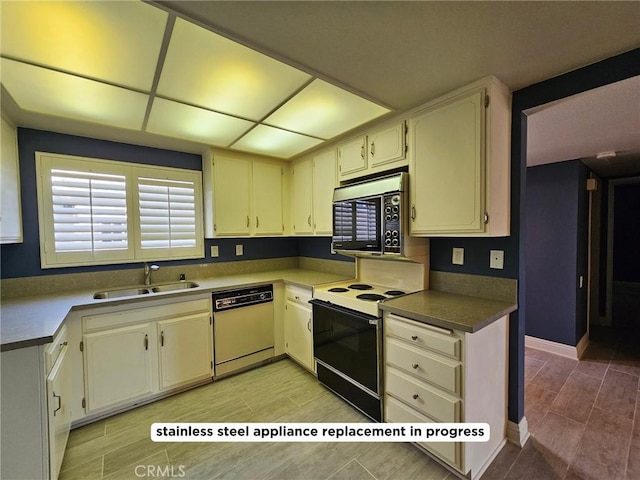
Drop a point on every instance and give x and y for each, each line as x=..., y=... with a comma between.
x=168, y=287
x=121, y=292
x=144, y=290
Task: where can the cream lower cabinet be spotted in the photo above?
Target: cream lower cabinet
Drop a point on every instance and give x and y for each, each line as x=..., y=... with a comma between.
x=460, y=163
x=184, y=343
x=134, y=353
x=298, y=326
x=438, y=375
x=117, y=366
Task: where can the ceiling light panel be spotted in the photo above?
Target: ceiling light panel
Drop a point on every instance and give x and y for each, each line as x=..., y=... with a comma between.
x=324, y=110
x=52, y=93
x=206, y=69
x=118, y=42
x=192, y=123
x=275, y=142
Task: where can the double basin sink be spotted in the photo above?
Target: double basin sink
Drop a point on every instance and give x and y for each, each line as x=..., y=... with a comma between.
x=144, y=290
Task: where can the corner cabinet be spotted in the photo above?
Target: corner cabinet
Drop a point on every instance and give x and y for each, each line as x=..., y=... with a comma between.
x=243, y=196
x=433, y=375
x=379, y=150
x=311, y=207
x=10, y=206
x=460, y=163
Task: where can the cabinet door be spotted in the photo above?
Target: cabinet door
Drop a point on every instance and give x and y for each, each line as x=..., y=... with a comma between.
x=302, y=198
x=59, y=407
x=298, y=333
x=447, y=168
x=185, y=352
x=386, y=145
x=324, y=181
x=10, y=211
x=267, y=198
x=117, y=365
x=231, y=194
x=352, y=157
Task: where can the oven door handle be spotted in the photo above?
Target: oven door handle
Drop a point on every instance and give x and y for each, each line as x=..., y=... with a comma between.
x=354, y=313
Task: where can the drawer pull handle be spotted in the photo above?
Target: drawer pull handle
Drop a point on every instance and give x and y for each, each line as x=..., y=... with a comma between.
x=415, y=396
x=59, y=403
x=415, y=366
x=414, y=337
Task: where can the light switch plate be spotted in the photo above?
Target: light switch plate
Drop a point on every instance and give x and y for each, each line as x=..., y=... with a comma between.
x=215, y=251
x=457, y=257
x=496, y=259
x=239, y=250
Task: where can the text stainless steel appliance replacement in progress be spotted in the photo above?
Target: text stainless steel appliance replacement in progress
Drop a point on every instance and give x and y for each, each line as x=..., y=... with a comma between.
x=347, y=341
x=242, y=327
x=370, y=219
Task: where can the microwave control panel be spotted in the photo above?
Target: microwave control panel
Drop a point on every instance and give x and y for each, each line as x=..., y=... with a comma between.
x=391, y=215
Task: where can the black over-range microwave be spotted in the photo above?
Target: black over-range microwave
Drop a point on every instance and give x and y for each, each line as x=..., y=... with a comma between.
x=369, y=217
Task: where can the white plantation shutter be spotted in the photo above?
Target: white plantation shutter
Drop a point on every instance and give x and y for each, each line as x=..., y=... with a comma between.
x=167, y=213
x=89, y=211
x=94, y=212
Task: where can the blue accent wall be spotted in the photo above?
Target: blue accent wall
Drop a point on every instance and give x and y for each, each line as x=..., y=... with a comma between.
x=319, y=247
x=607, y=71
x=557, y=219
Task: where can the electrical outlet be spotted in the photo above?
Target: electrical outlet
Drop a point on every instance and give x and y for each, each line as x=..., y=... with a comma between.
x=496, y=259
x=239, y=250
x=457, y=258
x=215, y=251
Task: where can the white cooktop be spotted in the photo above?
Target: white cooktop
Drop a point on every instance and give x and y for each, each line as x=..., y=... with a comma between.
x=339, y=293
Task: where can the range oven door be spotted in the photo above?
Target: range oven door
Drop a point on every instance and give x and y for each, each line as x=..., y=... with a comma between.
x=348, y=342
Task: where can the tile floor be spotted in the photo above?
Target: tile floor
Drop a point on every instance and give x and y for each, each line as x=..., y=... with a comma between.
x=584, y=417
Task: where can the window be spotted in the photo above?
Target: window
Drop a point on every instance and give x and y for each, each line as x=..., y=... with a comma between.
x=96, y=211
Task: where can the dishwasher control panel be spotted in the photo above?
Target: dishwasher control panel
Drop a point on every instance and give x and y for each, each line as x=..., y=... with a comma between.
x=242, y=297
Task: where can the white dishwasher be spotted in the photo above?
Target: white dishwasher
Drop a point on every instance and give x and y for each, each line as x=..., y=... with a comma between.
x=242, y=328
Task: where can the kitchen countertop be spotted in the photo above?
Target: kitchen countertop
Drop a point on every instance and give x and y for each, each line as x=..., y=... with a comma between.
x=31, y=321
x=449, y=310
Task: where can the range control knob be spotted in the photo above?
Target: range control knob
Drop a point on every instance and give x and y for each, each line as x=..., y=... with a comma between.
x=395, y=200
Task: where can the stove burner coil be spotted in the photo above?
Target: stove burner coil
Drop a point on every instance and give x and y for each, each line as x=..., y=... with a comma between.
x=394, y=293
x=373, y=297
x=360, y=286
x=338, y=290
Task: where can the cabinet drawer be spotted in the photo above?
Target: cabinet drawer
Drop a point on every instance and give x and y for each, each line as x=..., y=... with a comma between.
x=54, y=349
x=298, y=294
x=428, y=366
x=434, y=338
x=397, y=412
x=429, y=400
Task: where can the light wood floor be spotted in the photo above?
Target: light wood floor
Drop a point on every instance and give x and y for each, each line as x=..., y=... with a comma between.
x=279, y=392
x=584, y=418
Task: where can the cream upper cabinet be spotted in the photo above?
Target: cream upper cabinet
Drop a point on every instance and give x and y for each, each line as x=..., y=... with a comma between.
x=380, y=150
x=302, y=197
x=352, y=157
x=231, y=195
x=459, y=167
x=267, y=198
x=324, y=182
x=243, y=195
x=314, y=179
x=10, y=206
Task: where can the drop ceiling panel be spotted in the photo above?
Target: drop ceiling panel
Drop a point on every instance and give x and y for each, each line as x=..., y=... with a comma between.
x=114, y=41
x=275, y=142
x=324, y=110
x=206, y=69
x=192, y=123
x=48, y=92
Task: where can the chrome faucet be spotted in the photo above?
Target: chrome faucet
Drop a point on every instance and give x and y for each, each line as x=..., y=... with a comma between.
x=147, y=272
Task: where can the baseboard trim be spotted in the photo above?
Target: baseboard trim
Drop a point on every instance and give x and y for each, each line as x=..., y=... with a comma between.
x=518, y=433
x=558, y=348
